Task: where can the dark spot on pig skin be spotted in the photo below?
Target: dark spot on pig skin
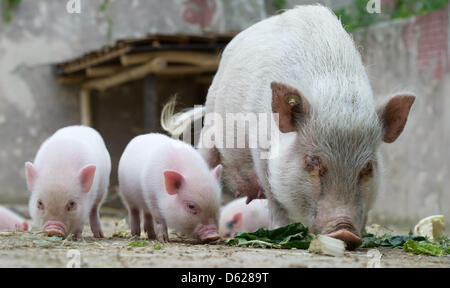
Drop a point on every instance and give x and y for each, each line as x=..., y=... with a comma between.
x=230, y=224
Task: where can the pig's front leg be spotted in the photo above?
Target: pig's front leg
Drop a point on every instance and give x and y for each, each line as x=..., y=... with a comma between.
x=94, y=219
x=76, y=235
x=161, y=232
x=135, y=221
x=159, y=222
x=278, y=215
x=148, y=225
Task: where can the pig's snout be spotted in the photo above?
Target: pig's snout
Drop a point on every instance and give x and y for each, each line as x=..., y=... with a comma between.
x=351, y=239
x=207, y=232
x=55, y=228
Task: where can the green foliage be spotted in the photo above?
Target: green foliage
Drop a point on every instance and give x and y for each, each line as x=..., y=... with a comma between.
x=139, y=243
x=444, y=241
x=104, y=6
x=356, y=15
x=279, y=4
x=291, y=236
x=158, y=246
x=122, y=234
x=410, y=243
x=387, y=241
x=109, y=29
x=8, y=6
x=424, y=247
x=297, y=236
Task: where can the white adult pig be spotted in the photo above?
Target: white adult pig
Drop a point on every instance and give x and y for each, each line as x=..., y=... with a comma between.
x=10, y=221
x=303, y=67
x=172, y=184
x=69, y=181
x=238, y=216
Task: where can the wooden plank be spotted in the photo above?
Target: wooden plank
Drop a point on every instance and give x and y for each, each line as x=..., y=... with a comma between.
x=184, y=57
x=85, y=108
x=94, y=59
x=102, y=71
x=71, y=79
x=151, y=105
x=128, y=75
x=186, y=70
x=204, y=79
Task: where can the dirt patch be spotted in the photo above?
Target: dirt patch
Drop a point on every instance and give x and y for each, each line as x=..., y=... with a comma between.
x=33, y=249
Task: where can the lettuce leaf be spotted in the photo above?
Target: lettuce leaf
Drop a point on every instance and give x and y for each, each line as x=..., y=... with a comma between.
x=294, y=235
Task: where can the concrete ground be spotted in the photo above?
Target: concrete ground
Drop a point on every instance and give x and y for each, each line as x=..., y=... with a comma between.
x=32, y=249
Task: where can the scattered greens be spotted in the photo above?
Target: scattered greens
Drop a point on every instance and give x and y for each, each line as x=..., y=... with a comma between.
x=47, y=242
x=410, y=243
x=158, y=246
x=139, y=243
x=121, y=234
x=291, y=236
x=388, y=241
x=297, y=236
x=424, y=247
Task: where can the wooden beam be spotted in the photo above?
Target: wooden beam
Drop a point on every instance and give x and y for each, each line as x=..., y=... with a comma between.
x=204, y=79
x=184, y=57
x=94, y=59
x=102, y=71
x=186, y=70
x=71, y=79
x=151, y=105
x=139, y=72
x=85, y=108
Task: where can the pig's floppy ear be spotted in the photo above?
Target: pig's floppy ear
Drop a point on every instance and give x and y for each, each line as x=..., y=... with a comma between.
x=290, y=105
x=217, y=171
x=86, y=177
x=31, y=174
x=173, y=181
x=237, y=219
x=393, y=115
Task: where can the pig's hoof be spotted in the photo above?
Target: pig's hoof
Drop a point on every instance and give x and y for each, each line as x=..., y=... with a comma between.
x=211, y=238
x=151, y=236
x=76, y=237
x=99, y=234
x=163, y=238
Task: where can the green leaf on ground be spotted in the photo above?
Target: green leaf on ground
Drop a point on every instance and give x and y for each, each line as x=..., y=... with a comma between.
x=424, y=247
x=139, y=243
x=294, y=235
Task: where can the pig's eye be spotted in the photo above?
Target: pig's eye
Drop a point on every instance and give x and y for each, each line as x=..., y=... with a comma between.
x=314, y=163
x=367, y=170
x=191, y=208
x=71, y=205
x=40, y=205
